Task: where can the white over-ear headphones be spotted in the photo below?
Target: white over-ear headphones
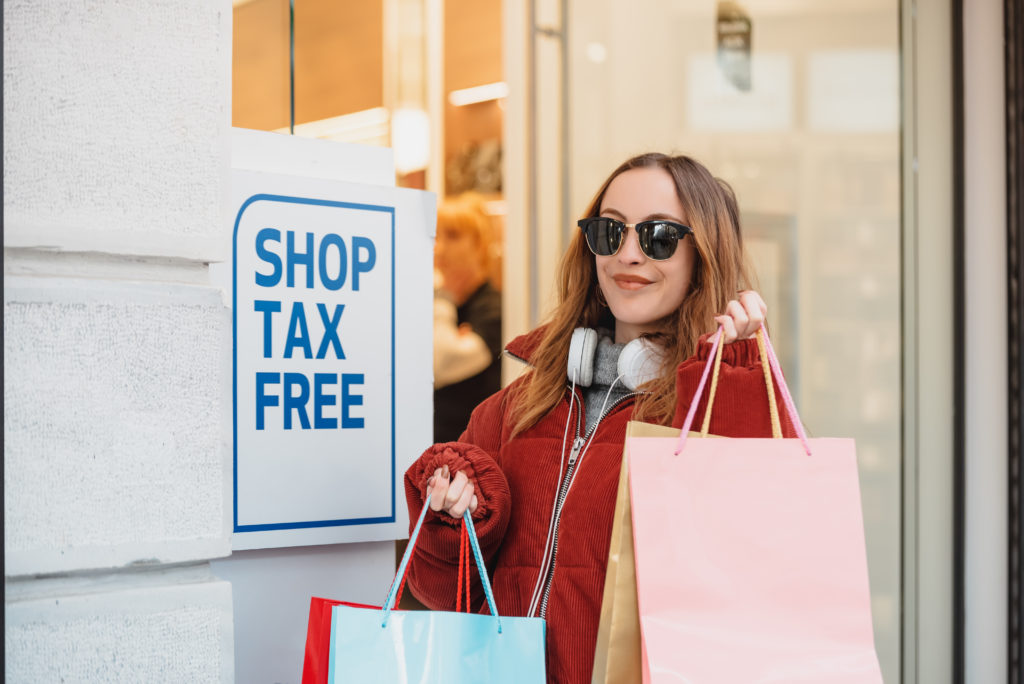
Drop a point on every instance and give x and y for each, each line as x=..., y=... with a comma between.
x=639, y=361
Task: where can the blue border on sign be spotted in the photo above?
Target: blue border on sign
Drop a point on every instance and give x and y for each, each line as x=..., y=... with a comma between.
x=234, y=370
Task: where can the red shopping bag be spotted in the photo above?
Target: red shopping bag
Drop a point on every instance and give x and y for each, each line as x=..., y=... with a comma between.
x=750, y=558
x=318, y=639
x=315, y=666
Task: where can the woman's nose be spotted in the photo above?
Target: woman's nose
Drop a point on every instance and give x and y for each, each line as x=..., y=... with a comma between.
x=629, y=251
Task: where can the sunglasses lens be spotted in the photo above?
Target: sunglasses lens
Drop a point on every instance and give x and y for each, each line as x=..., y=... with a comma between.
x=603, y=235
x=658, y=240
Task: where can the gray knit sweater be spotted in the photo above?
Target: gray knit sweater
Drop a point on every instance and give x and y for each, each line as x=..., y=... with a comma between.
x=605, y=372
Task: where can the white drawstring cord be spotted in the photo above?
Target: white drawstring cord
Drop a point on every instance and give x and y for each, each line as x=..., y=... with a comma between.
x=535, y=597
x=549, y=544
x=591, y=440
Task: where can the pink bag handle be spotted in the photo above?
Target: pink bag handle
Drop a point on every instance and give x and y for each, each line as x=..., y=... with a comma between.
x=787, y=398
x=773, y=410
x=688, y=423
x=773, y=361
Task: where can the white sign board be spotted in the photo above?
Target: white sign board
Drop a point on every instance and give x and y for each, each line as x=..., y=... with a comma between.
x=332, y=292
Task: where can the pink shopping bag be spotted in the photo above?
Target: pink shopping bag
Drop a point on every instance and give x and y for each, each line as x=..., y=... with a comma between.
x=750, y=557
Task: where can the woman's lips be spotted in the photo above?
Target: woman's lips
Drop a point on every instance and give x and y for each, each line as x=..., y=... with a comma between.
x=631, y=282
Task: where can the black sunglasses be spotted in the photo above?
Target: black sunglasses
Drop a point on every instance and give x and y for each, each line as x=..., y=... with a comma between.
x=658, y=238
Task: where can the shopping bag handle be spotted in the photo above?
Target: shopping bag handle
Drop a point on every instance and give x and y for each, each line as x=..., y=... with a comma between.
x=787, y=398
x=467, y=520
x=773, y=410
x=776, y=368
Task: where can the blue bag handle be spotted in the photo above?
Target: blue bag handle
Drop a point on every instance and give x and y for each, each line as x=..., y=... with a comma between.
x=467, y=520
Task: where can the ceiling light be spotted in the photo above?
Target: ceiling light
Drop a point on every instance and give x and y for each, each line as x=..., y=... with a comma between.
x=597, y=53
x=410, y=139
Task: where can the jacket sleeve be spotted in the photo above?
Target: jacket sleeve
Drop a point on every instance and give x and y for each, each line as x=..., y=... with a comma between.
x=433, y=568
x=741, y=400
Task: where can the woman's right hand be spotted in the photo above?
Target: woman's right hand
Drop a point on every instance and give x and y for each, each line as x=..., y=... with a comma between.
x=451, y=495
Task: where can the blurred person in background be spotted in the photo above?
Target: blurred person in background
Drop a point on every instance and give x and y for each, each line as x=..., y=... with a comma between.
x=467, y=315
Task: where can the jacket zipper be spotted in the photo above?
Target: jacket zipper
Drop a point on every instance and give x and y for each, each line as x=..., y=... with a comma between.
x=563, y=491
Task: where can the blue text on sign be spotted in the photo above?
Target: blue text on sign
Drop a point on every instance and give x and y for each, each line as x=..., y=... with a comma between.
x=298, y=330
x=314, y=259
x=296, y=393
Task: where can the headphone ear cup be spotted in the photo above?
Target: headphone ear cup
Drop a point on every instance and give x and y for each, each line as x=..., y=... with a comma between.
x=582, y=347
x=639, y=362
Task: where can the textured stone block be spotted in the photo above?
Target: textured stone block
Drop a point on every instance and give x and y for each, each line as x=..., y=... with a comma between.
x=116, y=126
x=180, y=633
x=117, y=419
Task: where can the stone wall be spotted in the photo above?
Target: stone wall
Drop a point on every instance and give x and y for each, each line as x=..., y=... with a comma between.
x=116, y=348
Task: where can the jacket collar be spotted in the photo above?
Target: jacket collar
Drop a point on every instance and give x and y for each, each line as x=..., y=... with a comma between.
x=525, y=346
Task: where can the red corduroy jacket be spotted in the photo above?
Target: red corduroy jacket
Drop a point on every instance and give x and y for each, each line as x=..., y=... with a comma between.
x=517, y=481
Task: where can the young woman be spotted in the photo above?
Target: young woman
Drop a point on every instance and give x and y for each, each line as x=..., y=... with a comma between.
x=657, y=263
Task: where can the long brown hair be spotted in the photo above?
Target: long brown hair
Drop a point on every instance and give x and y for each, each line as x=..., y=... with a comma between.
x=720, y=271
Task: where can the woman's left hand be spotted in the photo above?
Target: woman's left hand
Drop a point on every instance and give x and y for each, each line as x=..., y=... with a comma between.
x=743, y=316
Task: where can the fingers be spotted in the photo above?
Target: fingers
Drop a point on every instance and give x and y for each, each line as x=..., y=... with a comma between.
x=455, y=491
x=451, y=495
x=465, y=497
x=439, y=489
x=728, y=328
x=743, y=317
x=755, y=307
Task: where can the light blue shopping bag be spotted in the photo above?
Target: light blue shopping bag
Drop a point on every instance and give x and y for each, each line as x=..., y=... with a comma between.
x=378, y=645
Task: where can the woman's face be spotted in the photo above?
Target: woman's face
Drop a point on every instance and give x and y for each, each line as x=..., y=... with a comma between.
x=460, y=258
x=641, y=291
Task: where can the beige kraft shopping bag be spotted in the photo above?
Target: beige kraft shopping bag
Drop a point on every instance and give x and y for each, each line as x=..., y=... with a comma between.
x=617, y=656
